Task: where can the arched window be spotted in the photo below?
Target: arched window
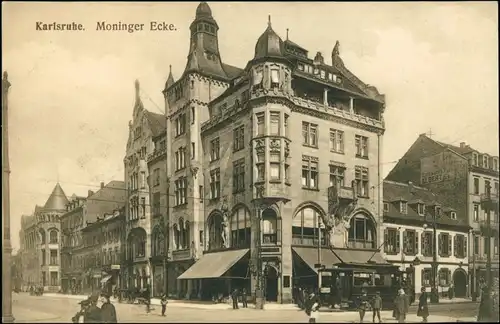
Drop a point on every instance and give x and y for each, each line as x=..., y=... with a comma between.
x=175, y=228
x=362, y=232
x=181, y=234
x=305, y=228
x=53, y=236
x=215, y=229
x=41, y=232
x=269, y=226
x=240, y=228
x=185, y=236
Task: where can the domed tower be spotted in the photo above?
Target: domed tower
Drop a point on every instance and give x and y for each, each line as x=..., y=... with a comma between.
x=204, y=53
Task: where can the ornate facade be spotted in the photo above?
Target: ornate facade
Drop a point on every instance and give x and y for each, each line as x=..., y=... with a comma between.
x=250, y=194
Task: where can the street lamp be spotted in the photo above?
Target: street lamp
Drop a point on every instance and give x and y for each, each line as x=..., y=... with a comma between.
x=259, y=293
x=473, y=281
x=434, y=290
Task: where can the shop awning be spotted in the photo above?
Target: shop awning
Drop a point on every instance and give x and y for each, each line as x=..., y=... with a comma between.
x=310, y=256
x=213, y=265
x=360, y=257
x=105, y=279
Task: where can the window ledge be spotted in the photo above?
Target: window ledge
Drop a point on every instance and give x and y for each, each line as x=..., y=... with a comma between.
x=364, y=157
x=365, y=196
x=287, y=183
x=277, y=181
x=337, y=152
x=310, y=146
x=391, y=253
x=310, y=189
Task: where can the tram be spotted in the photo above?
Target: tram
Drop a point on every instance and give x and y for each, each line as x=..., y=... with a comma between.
x=343, y=284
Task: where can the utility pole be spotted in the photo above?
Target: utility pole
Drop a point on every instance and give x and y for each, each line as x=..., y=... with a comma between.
x=7, y=316
x=489, y=278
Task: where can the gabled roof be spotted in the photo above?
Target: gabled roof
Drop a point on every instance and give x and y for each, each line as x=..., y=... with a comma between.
x=57, y=199
x=394, y=191
x=157, y=122
x=232, y=71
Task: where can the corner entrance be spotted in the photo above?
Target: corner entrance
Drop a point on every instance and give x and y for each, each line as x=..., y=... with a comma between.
x=271, y=284
x=460, y=283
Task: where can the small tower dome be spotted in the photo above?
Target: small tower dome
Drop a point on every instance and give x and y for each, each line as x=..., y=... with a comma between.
x=269, y=44
x=203, y=10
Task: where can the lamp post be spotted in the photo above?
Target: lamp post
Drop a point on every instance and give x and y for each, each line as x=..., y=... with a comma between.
x=434, y=290
x=259, y=293
x=473, y=281
x=7, y=316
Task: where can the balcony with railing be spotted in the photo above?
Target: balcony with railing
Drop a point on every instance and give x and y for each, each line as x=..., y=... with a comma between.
x=157, y=153
x=489, y=201
x=309, y=240
x=182, y=255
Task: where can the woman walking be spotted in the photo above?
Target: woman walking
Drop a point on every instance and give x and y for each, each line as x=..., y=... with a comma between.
x=423, y=309
x=312, y=307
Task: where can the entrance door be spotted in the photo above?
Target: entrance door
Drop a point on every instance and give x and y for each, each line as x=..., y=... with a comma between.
x=272, y=284
x=460, y=283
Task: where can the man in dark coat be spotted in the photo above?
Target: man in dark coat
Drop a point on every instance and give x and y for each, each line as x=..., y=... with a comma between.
x=80, y=315
x=234, y=297
x=93, y=313
x=108, y=312
x=244, y=298
x=401, y=304
x=312, y=306
x=423, y=309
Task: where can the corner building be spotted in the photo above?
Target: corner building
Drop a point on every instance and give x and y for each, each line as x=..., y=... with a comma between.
x=264, y=194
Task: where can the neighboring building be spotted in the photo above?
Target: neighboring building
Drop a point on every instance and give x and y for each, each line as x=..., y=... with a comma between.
x=71, y=240
x=40, y=243
x=409, y=244
x=245, y=161
x=143, y=128
x=87, y=253
x=462, y=176
x=105, y=238
x=158, y=189
x=17, y=272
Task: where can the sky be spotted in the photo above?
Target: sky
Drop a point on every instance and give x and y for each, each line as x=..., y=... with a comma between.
x=72, y=92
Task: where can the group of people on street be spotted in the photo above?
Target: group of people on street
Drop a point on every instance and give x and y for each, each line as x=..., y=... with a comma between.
x=90, y=312
x=236, y=295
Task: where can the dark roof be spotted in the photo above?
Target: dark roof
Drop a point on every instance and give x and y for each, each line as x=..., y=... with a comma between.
x=397, y=191
x=109, y=198
x=157, y=122
x=461, y=150
x=232, y=71
x=291, y=43
x=269, y=44
x=57, y=199
x=203, y=10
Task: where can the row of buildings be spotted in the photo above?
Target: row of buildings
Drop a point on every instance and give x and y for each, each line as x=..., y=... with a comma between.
x=221, y=189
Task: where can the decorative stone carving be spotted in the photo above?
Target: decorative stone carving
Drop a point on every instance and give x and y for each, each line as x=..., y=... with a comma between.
x=260, y=190
x=194, y=171
x=260, y=146
x=225, y=223
x=287, y=149
x=275, y=145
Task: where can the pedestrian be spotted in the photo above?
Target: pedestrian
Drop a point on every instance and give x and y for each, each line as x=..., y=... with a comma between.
x=93, y=313
x=244, y=298
x=312, y=307
x=108, y=311
x=80, y=315
x=363, y=305
x=164, y=303
x=423, y=309
x=402, y=305
x=147, y=297
x=377, y=306
x=234, y=297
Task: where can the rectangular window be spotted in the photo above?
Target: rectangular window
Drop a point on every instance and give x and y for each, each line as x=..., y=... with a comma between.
x=361, y=146
x=386, y=207
x=156, y=177
x=275, y=123
x=275, y=78
x=239, y=176
x=180, y=191
x=309, y=173
x=261, y=171
x=214, y=149
x=261, y=124
x=201, y=238
x=193, y=151
x=44, y=257
x=475, y=160
x=495, y=164
x=53, y=257
x=476, y=212
x=287, y=173
x=336, y=141
x=239, y=138
x=426, y=277
x=286, y=126
x=403, y=207
x=309, y=134
x=485, y=161
x=54, y=278
x=427, y=240
x=274, y=166
x=143, y=179
x=444, y=244
x=180, y=125
x=361, y=181
x=476, y=244
x=487, y=187
x=337, y=175
x=476, y=186
x=410, y=242
x=143, y=207
x=201, y=193
x=192, y=115
x=215, y=183
x=459, y=246
x=156, y=204
x=391, y=241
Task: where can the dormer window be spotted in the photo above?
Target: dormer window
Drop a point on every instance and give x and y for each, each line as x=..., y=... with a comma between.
x=475, y=159
x=485, y=161
x=322, y=74
x=301, y=67
x=386, y=207
x=421, y=209
x=495, y=164
x=257, y=79
x=453, y=215
x=438, y=211
x=403, y=207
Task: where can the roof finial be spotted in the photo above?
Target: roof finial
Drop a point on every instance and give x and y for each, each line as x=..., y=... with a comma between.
x=269, y=21
x=170, y=67
x=137, y=88
x=287, y=34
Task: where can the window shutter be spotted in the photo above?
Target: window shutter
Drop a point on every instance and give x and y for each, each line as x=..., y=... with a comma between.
x=405, y=247
x=398, y=241
x=449, y=244
x=440, y=245
x=455, y=246
x=386, y=238
x=465, y=246
x=416, y=243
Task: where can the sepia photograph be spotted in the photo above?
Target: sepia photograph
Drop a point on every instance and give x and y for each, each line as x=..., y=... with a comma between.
x=152, y=172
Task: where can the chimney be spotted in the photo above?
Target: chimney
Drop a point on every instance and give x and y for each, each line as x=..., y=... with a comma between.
x=102, y=185
x=90, y=193
x=411, y=187
x=462, y=144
